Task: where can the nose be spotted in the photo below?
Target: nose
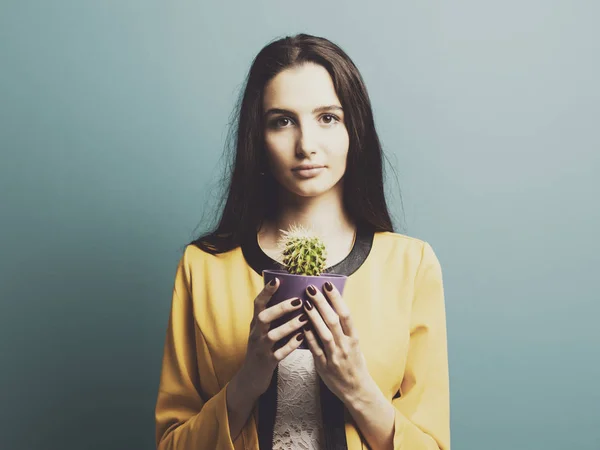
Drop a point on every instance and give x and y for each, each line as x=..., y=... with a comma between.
x=307, y=141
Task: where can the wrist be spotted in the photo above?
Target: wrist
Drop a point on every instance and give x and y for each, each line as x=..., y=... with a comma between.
x=368, y=394
x=240, y=402
x=374, y=415
x=240, y=399
x=245, y=384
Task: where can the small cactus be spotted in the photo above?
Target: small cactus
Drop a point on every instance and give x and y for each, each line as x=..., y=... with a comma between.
x=303, y=252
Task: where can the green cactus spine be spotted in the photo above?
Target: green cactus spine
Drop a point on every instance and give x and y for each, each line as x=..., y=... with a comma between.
x=303, y=252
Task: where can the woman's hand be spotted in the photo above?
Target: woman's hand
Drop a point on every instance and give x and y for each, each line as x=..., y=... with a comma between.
x=261, y=359
x=338, y=360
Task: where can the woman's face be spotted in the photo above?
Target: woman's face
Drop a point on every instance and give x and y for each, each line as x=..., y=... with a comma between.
x=297, y=131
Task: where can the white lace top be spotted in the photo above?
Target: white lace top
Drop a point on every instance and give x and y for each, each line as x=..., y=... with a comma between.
x=298, y=423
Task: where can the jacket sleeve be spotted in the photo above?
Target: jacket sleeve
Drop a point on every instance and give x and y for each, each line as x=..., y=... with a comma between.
x=185, y=418
x=422, y=412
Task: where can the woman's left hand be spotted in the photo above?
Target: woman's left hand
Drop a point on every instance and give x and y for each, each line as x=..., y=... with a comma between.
x=339, y=361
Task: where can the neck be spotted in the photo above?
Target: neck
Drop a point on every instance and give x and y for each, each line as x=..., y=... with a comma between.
x=324, y=215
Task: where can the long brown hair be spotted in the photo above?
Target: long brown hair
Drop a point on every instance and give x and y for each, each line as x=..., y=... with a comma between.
x=250, y=196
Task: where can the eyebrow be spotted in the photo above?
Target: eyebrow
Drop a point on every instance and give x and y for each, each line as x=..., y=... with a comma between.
x=314, y=111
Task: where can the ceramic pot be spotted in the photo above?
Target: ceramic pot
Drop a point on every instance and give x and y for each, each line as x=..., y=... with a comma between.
x=292, y=285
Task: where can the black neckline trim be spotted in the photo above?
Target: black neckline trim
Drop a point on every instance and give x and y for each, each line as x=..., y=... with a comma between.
x=259, y=260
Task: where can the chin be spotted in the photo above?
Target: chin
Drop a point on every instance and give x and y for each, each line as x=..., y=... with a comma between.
x=310, y=189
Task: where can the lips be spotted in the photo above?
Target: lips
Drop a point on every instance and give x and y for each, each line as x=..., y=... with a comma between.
x=309, y=173
x=308, y=166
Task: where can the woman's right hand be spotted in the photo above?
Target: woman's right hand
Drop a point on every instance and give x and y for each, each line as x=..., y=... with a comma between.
x=261, y=359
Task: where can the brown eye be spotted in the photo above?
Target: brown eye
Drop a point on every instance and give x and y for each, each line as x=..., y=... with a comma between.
x=277, y=122
x=331, y=116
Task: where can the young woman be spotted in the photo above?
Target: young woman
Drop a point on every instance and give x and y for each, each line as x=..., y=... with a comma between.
x=376, y=371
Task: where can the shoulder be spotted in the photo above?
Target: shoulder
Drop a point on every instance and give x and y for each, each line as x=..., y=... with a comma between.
x=197, y=265
x=398, y=237
x=406, y=247
x=194, y=258
x=399, y=240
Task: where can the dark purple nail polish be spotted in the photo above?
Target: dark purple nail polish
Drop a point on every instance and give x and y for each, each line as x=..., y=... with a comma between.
x=273, y=282
x=328, y=286
x=303, y=318
x=296, y=302
x=308, y=304
x=300, y=337
x=307, y=327
x=312, y=290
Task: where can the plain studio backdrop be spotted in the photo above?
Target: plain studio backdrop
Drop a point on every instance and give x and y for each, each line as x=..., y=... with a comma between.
x=113, y=119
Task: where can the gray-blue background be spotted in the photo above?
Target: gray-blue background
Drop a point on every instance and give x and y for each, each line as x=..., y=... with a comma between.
x=113, y=117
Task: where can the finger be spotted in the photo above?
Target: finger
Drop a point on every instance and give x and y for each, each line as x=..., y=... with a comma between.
x=266, y=316
x=263, y=297
x=329, y=316
x=276, y=334
x=280, y=309
x=288, y=348
x=314, y=346
x=341, y=308
x=322, y=330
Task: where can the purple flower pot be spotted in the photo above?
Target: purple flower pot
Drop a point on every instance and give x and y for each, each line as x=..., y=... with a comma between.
x=291, y=285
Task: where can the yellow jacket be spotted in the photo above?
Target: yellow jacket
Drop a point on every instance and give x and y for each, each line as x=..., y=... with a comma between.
x=396, y=298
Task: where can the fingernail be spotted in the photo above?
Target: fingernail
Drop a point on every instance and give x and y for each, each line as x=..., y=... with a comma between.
x=312, y=290
x=328, y=286
x=307, y=327
x=296, y=302
x=273, y=282
x=308, y=304
x=303, y=318
x=300, y=337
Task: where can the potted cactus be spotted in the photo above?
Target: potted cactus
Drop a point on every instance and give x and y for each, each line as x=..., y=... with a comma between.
x=303, y=255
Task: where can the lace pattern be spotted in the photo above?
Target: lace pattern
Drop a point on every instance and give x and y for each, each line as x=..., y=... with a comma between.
x=298, y=423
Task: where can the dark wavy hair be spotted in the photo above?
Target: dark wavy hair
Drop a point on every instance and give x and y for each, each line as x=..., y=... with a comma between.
x=250, y=198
